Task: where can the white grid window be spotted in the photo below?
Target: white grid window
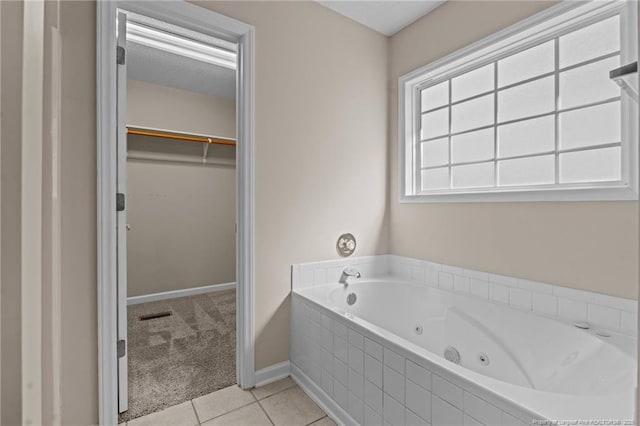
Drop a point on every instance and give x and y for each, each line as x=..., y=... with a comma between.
x=536, y=116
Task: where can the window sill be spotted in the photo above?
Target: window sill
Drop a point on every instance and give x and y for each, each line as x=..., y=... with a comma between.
x=617, y=193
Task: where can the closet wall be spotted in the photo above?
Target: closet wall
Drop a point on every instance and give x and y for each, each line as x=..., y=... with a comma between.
x=182, y=214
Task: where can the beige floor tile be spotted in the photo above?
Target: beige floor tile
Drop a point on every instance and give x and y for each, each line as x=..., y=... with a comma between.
x=178, y=415
x=325, y=421
x=291, y=407
x=245, y=416
x=221, y=402
x=275, y=387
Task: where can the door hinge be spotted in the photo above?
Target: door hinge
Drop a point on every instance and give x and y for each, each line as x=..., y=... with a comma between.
x=122, y=348
x=119, y=202
x=120, y=54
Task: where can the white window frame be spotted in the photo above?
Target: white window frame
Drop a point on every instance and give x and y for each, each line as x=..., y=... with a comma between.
x=550, y=23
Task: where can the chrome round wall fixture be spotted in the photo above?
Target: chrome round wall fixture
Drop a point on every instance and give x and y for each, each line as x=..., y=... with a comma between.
x=483, y=358
x=351, y=299
x=452, y=354
x=346, y=245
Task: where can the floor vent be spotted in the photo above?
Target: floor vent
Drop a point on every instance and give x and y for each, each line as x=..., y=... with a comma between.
x=154, y=316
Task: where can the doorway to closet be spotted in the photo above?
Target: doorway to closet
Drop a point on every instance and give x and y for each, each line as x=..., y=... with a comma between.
x=111, y=96
x=177, y=206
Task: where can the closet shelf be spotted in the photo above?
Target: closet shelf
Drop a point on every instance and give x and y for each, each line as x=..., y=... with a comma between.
x=167, y=134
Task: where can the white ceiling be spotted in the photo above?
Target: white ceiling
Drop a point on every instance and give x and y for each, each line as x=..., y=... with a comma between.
x=385, y=16
x=167, y=69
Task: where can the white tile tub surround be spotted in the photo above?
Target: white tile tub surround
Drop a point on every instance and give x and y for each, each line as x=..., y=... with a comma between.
x=381, y=383
x=318, y=273
x=613, y=314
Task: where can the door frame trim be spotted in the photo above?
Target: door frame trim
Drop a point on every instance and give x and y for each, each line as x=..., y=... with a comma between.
x=199, y=19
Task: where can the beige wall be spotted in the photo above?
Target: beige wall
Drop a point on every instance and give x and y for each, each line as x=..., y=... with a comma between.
x=182, y=218
x=321, y=84
x=10, y=98
x=591, y=246
x=151, y=105
x=182, y=215
x=78, y=182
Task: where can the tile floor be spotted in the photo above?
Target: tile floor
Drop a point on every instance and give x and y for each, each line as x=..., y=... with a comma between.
x=281, y=403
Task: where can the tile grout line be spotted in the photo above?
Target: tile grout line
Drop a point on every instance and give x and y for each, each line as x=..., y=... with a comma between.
x=195, y=411
x=275, y=393
x=230, y=411
x=265, y=413
x=269, y=396
x=262, y=408
x=243, y=406
x=317, y=420
x=280, y=391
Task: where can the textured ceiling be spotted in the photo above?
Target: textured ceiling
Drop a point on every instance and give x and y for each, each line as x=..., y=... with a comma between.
x=385, y=16
x=167, y=69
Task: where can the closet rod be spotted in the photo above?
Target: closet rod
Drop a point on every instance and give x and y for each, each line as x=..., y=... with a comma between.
x=190, y=138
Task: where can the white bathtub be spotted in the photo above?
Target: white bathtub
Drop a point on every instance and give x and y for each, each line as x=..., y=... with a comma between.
x=542, y=367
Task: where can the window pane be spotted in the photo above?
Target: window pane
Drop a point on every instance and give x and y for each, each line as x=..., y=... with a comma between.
x=590, y=126
x=527, y=171
x=472, y=83
x=527, y=137
x=435, y=123
x=527, y=64
x=472, y=114
x=435, y=153
x=473, y=146
x=589, y=83
x=596, y=165
x=536, y=97
x=472, y=175
x=590, y=42
x=434, y=96
x=435, y=178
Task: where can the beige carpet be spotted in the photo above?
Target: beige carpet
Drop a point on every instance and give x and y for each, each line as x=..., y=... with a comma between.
x=183, y=356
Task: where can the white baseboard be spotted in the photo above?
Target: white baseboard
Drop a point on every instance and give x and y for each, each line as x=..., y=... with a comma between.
x=272, y=373
x=179, y=293
x=320, y=397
